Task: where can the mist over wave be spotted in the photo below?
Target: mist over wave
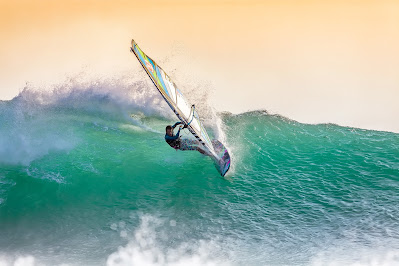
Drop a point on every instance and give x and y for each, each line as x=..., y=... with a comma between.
x=36, y=121
x=86, y=178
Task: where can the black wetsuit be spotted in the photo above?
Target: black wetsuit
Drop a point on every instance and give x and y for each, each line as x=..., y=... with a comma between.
x=174, y=141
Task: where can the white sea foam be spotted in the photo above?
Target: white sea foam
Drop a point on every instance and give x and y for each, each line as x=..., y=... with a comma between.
x=150, y=244
x=145, y=248
x=18, y=261
x=45, y=174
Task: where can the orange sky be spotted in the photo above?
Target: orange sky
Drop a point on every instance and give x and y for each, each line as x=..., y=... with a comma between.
x=313, y=61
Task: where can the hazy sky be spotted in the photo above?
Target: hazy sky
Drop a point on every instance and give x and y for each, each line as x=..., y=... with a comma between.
x=313, y=61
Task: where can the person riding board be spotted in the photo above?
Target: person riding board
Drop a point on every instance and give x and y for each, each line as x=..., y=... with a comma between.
x=181, y=144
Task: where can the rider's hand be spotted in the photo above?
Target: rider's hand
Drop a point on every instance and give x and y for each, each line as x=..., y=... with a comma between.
x=185, y=126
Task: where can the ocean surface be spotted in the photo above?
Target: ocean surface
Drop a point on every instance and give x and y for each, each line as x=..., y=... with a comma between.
x=86, y=178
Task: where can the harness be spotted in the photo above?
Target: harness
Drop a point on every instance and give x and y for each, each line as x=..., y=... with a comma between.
x=174, y=143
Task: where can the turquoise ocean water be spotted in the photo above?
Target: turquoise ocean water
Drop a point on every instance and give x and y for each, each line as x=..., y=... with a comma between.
x=84, y=183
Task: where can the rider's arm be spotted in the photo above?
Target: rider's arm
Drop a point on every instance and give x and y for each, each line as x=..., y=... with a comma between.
x=177, y=123
x=178, y=132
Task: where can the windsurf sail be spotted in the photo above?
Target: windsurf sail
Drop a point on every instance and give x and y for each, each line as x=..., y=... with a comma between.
x=176, y=101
